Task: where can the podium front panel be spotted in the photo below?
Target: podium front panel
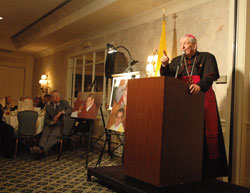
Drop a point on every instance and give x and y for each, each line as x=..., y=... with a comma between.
x=142, y=159
x=161, y=119
x=182, y=134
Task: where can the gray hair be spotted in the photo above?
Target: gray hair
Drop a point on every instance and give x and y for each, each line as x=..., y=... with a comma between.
x=191, y=39
x=54, y=91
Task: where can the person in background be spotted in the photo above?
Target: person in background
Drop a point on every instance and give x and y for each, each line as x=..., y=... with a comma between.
x=46, y=99
x=53, y=124
x=9, y=104
x=6, y=137
x=22, y=98
x=199, y=70
x=38, y=102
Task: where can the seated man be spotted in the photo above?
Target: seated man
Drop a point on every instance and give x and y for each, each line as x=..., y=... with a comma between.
x=9, y=104
x=53, y=123
x=6, y=137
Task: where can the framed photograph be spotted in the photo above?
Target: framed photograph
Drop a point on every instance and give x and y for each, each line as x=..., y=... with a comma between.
x=118, y=101
x=119, y=84
x=87, y=105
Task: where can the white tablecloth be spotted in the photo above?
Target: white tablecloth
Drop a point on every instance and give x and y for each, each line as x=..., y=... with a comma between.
x=12, y=120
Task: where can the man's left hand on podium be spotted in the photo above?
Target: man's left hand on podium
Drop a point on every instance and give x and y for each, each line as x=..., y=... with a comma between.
x=194, y=89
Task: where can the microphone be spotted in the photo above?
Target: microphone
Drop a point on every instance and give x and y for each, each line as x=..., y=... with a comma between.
x=182, y=57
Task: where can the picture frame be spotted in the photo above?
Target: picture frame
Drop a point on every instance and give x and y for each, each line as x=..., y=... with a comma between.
x=87, y=105
x=117, y=79
x=118, y=101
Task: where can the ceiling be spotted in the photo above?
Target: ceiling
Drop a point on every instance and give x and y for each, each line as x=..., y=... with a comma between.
x=33, y=26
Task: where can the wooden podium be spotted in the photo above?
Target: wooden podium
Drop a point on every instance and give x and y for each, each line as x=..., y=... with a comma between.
x=164, y=132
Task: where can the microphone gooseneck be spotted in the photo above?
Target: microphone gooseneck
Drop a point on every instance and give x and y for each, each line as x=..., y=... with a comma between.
x=182, y=57
x=180, y=64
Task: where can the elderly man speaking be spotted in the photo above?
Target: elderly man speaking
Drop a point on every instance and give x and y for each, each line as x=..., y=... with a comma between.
x=199, y=70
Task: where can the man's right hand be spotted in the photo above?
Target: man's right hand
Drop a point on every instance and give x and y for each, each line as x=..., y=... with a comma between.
x=164, y=58
x=55, y=120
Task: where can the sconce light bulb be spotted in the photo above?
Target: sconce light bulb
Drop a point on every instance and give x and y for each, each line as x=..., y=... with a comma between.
x=149, y=67
x=150, y=59
x=43, y=82
x=155, y=58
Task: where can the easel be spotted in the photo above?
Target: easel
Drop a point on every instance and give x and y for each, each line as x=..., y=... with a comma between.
x=103, y=121
x=108, y=134
x=91, y=124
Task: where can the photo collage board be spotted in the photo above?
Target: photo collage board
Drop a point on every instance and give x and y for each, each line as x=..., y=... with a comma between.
x=118, y=101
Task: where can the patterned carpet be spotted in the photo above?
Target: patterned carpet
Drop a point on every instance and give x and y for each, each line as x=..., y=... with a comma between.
x=24, y=174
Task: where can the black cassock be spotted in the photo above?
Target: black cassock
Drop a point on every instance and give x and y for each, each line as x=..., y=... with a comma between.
x=202, y=70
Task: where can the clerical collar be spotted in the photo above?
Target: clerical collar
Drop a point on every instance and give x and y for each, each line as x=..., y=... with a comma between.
x=192, y=57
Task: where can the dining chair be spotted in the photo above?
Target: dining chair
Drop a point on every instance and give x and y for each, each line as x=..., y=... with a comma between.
x=67, y=131
x=26, y=126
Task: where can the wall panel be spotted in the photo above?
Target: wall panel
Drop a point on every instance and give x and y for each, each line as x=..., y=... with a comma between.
x=12, y=82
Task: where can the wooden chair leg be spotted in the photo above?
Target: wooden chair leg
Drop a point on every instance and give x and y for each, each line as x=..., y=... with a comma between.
x=16, y=148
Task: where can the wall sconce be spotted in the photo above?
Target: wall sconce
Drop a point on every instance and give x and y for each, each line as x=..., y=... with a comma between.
x=44, y=83
x=151, y=66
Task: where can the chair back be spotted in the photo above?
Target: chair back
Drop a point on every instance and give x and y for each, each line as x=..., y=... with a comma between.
x=27, y=122
x=68, y=124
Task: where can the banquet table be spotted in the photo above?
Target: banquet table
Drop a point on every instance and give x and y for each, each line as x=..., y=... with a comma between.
x=13, y=121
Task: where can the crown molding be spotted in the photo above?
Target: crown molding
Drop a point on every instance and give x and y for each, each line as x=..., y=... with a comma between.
x=171, y=7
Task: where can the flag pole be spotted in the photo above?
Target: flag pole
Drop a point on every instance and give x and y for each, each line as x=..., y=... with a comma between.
x=163, y=14
x=163, y=43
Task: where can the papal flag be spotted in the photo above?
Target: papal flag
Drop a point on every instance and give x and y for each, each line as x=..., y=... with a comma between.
x=163, y=46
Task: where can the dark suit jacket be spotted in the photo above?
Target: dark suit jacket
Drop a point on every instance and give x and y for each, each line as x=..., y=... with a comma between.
x=6, y=139
x=50, y=112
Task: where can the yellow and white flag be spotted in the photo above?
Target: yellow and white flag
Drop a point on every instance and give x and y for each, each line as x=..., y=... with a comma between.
x=163, y=46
